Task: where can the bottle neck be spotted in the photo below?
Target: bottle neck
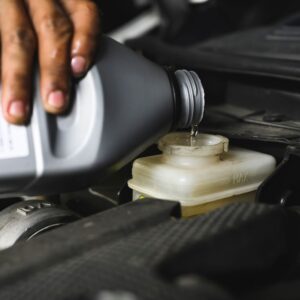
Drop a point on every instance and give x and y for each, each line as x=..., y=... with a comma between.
x=189, y=98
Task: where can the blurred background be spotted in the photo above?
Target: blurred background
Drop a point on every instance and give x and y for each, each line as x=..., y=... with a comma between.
x=187, y=21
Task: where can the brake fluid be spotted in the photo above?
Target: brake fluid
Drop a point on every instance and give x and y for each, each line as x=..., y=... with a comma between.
x=199, y=172
x=123, y=105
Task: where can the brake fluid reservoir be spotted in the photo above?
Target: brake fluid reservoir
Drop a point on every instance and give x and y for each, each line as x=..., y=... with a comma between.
x=200, y=172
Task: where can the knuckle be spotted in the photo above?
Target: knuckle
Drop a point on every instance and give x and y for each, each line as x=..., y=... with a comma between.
x=21, y=80
x=24, y=37
x=58, y=72
x=14, y=79
x=57, y=25
x=89, y=8
x=91, y=12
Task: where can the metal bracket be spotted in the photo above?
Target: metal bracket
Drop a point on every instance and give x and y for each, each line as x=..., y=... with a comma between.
x=283, y=186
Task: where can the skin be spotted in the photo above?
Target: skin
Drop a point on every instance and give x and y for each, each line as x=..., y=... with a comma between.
x=62, y=34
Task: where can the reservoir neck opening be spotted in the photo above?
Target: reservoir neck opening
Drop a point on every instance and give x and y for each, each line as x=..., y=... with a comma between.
x=186, y=149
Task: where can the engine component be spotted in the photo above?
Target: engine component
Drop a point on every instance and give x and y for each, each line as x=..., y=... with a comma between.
x=282, y=187
x=26, y=219
x=198, y=172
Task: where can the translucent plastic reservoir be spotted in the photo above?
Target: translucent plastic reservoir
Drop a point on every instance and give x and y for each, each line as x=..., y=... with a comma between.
x=200, y=172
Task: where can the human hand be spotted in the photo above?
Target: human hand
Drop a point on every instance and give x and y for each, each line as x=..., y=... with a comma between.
x=64, y=35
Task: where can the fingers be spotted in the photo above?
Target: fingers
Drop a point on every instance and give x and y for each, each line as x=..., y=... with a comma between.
x=50, y=23
x=54, y=32
x=86, y=22
x=18, y=48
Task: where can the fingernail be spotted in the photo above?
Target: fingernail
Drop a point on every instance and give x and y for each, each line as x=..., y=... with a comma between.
x=57, y=99
x=78, y=64
x=17, y=109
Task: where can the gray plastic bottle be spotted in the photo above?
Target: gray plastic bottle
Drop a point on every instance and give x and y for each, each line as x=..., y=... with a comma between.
x=123, y=105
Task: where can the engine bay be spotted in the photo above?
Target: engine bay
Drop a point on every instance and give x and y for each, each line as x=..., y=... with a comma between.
x=97, y=243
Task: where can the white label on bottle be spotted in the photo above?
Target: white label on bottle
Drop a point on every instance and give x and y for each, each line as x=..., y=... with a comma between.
x=13, y=140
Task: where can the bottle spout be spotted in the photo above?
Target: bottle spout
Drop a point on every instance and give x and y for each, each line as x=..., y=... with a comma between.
x=192, y=98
